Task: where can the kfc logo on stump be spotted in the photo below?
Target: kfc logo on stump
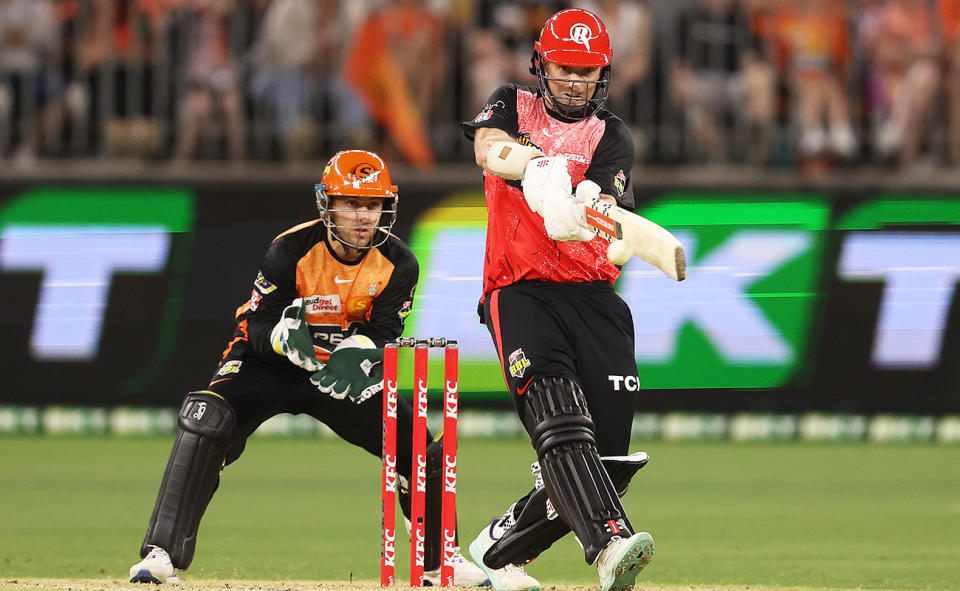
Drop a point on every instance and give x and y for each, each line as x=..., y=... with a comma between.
x=389, y=547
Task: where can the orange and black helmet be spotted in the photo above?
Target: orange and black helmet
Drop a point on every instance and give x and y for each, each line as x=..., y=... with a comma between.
x=358, y=173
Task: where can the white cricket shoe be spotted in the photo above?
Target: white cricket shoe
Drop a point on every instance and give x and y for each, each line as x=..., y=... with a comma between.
x=508, y=578
x=622, y=560
x=465, y=573
x=156, y=568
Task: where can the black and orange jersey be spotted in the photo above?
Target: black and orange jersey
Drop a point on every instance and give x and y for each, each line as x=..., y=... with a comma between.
x=371, y=296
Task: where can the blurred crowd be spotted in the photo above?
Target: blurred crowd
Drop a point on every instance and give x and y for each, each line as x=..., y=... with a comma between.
x=777, y=83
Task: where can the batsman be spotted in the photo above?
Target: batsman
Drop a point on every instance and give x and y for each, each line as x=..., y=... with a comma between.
x=564, y=337
x=328, y=294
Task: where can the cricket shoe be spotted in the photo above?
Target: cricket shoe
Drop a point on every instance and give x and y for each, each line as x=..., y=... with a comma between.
x=465, y=573
x=156, y=568
x=509, y=578
x=622, y=560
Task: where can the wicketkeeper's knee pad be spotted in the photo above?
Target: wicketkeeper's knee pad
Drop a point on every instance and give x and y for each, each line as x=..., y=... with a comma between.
x=207, y=424
x=536, y=530
x=573, y=475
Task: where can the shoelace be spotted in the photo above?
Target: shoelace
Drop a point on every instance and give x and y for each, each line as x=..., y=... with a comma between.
x=157, y=552
x=517, y=569
x=458, y=556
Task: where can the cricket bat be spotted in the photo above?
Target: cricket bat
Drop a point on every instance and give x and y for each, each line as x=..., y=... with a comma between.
x=631, y=234
x=628, y=233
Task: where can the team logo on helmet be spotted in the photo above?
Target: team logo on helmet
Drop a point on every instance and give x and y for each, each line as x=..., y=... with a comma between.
x=365, y=173
x=581, y=33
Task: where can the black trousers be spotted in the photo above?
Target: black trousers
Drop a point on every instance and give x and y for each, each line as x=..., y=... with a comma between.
x=259, y=390
x=581, y=331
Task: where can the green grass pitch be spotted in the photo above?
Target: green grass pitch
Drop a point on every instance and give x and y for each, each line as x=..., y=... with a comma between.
x=838, y=516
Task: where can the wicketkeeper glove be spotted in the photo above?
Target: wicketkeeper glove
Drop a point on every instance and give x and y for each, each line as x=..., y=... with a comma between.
x=291, y=337
x=355, y=369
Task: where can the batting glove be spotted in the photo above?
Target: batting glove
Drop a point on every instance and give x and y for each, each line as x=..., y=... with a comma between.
x=586, y=189
x=291, y=337
x=355, y=369
x=564, y=219
x=544, y=177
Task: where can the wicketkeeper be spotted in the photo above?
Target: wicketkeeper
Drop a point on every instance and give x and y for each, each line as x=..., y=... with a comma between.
x=328, y=295
x=564, y=337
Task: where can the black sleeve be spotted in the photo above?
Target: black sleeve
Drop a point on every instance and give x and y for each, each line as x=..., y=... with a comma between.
x=393, y=305
x=276, y=285
x=499, y=112
x=612, y=162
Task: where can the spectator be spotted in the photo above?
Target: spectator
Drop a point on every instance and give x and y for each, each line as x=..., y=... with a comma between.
x=631, y=37
x=113, y=91
x=813, y=34
x=499, y=45
x=347, y=119
x=631, y=34
x=903, y=47
x=396, y=65
x=720, y=75
x=30, y=89
x=283, y=52
x=949, y=13
x=211, y=77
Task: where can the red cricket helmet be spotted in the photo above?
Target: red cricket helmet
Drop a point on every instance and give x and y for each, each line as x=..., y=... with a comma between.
x=573, y=37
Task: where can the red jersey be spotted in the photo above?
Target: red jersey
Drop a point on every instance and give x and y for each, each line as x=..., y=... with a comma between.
x=598, y=148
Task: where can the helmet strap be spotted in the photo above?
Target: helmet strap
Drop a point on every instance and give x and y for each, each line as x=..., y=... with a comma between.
x=570, y=114
x=383, y=226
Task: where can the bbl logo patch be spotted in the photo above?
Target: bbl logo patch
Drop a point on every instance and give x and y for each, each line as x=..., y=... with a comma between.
x=620, y=181
x=518, y=363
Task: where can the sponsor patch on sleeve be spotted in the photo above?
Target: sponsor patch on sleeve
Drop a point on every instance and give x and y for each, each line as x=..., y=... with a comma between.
x=407, y=306
x=620, y=181
x=255, y=298
x=487, y=111
x=230, y=367
x=524, y=140
x=263, y=285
